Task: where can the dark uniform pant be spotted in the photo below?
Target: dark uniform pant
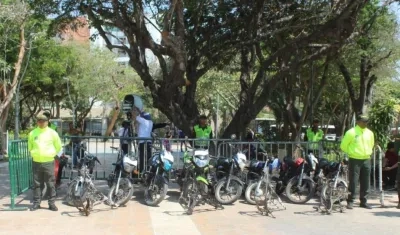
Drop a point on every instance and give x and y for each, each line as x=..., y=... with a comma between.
x=144, y=155
x=359, y=171
x=43, y=173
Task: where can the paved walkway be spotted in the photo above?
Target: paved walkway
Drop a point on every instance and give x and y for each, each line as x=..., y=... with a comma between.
x=169, y=218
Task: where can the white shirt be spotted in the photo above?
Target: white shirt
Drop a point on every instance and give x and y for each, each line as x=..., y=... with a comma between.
x=123, y=132
x=144, y=128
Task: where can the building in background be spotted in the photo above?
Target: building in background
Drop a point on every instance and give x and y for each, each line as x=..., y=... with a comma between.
x=77, y=31
x=116, y=37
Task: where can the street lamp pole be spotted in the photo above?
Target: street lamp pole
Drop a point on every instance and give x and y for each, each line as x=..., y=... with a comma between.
x=217, y=119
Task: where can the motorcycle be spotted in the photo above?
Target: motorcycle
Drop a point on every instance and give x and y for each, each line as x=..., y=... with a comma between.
x=157, y=178
x=227, y=170
x=198, y=183
x=287, y=170
x=120, y=181
x=303, y=181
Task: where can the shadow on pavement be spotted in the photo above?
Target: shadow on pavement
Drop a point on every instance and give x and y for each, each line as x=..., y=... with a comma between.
x=251, y=213
x=77, y=213
x=195, y=211
x=387, y=213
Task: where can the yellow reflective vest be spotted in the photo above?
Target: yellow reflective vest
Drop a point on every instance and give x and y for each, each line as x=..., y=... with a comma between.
x=43, y=144
x=358, y=143
x=202, y=134
x=314, y=137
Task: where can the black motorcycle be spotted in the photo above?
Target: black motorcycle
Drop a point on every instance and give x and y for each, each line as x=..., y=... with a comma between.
x=229, y=184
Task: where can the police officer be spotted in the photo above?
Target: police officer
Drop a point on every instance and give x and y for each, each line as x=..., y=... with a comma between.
x=358, y=144
x=314, y=135
x=202, y=131
x=51, y=125
x=43, y=144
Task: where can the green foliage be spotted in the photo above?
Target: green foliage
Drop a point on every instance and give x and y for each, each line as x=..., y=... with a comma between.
x=381, y=116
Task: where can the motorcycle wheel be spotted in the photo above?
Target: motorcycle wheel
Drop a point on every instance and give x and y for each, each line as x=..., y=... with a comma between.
x=250, y=193
x=291, y=189
x=124, y=194
x=192, y=194
x=158, y=187
x=234, y=185
x=279, y=188
x=70, y=198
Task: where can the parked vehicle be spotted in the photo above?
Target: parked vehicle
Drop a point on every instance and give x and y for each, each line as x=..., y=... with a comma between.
x=120, y=181
x=157, y=178
x=302, y=184
x=229, y=184
x=82, y=192
x=256, y=172
x=262, y=192
x=197, y=184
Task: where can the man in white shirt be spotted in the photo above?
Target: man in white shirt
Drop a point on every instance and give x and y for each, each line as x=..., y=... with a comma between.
x=125, y=133
x=144, y=127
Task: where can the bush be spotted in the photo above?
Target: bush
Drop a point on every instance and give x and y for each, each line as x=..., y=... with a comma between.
x=381, y=117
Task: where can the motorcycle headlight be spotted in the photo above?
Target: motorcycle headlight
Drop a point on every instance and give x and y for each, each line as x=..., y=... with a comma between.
x=201, y=162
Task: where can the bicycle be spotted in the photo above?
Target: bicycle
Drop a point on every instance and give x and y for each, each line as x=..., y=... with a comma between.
x=82, y=193
x=265, y=194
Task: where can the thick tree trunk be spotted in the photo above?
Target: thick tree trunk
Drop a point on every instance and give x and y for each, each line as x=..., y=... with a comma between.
x=58, y=110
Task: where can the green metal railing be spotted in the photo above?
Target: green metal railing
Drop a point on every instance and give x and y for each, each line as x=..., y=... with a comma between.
x=20, y=170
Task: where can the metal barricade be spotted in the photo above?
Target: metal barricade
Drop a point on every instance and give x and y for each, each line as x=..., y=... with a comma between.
x=101, y=147
x=255, y=150
x=378, y=189
x=20, y=170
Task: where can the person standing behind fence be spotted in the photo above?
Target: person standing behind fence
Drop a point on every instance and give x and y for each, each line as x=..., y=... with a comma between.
x=313, y=136
x=144, y=129
x=181, y=135
x=43, y=144
x=125, y=133
x=358, y=144
x=202, y=131
x=390, y=166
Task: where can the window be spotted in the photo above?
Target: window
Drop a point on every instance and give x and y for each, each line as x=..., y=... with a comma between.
x=121, y=53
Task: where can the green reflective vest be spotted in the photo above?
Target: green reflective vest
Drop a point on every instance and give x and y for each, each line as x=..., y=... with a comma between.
x=43, y=144
x=358, y=143
x=202, y=134
x=314, y=137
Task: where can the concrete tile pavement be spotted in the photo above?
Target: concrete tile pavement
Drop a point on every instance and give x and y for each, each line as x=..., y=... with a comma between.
x=169, y=218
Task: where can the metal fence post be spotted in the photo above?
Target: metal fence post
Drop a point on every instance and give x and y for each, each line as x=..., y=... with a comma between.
x=382, y=194
x=20, y=171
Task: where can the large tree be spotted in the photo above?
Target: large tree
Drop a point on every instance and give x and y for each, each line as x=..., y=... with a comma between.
x=200, y=35
x=373, y=54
